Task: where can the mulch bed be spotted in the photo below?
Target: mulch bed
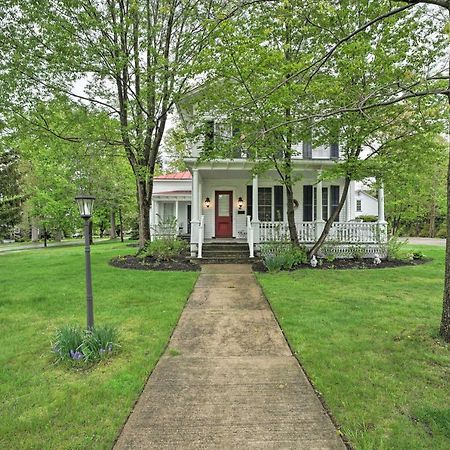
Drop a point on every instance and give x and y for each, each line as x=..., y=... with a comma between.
x=181, y=263
x=350, y=264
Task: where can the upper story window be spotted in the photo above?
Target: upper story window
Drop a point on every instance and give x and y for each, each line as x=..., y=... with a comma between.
x=358, y=205
x=220, y=134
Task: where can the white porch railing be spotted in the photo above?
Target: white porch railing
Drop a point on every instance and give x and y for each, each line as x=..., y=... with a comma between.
x=279, y=231
x=355, y=232
x=342, y=232
x=250, y=240
x=201, y=236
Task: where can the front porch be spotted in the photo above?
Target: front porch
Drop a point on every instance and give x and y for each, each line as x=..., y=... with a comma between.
x=228, y=202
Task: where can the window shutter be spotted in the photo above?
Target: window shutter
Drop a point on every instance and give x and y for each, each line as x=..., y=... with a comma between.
x=209, y=135
x=334, y=194
x=249, y=200
x=334, y=151
x=307, y=203
x=278, y=200
x=325, y=203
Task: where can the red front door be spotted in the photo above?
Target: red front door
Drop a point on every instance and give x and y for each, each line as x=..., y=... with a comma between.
x=224, y=214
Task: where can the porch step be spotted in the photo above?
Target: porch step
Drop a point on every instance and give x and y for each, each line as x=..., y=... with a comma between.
x=224, y=260
x=225, y=252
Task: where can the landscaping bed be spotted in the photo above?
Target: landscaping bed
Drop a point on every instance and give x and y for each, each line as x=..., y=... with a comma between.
x=259, y=266
x=181, y=263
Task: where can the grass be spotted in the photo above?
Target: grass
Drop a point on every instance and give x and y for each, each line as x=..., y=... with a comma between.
x=368, y=340
x=49, y=406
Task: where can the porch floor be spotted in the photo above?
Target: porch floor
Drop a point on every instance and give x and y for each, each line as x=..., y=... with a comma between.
x=234, y=382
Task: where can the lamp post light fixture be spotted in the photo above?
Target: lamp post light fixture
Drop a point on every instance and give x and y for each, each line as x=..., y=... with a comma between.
x=240, y=202
x=86, y=206
x=207, y=202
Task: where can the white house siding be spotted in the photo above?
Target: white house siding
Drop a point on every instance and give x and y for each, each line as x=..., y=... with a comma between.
x=171, y=185
x=369, y=204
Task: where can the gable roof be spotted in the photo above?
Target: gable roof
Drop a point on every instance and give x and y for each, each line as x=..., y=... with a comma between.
x=175, y=176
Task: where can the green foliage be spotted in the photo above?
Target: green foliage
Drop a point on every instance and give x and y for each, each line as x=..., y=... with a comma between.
x=164, y=248
x=368, y=218
x=393, y=248
x=416, y=255
x=77, y=345
x=278, y=256
x=357, y=251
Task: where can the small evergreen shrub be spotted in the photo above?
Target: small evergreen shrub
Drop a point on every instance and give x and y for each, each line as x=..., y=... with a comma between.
x=278, y=256
x=417, y=255
x=368, y=218
x=77, y=345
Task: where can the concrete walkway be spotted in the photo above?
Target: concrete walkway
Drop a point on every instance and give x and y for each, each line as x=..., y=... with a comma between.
x=425, y=241
x=228, y=379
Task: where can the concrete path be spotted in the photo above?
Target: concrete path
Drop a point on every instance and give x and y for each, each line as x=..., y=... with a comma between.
x=10, y=248
x=425, y=241
x=228, y=379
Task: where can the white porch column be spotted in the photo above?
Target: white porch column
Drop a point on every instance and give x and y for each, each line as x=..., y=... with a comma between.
x=195, y=221
x=382, y=224
x=176, y=216
x=152, y=218
x=320, y=223
x=255, y=218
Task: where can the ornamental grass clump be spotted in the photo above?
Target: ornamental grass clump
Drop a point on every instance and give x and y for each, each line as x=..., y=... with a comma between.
x=76, y=345
x=278, y=256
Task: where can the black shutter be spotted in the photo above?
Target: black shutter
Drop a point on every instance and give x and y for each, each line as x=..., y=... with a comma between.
x=325, y=203
x=334, y=151
x=209, y=135
x=278, y=199
x=334, y=194
x=307, y=203
x=249, y=200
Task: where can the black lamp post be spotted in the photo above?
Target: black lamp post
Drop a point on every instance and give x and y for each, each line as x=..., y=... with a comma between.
x=86, y=205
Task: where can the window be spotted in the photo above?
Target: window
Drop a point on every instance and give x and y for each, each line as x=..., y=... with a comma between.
x=358, y=206
x=325, y=203
x=209, y=135
x=334, y=151
x=310, y=202
x=265, y=204
x=267, y=197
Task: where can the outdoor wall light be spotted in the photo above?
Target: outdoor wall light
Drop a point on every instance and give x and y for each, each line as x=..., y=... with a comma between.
x=207, y=202
x=86, y=206
x=240, y=202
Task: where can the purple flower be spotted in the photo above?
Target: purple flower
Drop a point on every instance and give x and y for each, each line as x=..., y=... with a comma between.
x=76, y=355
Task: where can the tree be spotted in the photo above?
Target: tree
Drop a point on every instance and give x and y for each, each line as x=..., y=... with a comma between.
x=11, y=197
x=135, y=58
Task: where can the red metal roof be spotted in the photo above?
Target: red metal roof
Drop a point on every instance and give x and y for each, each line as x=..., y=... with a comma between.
x=175, y=176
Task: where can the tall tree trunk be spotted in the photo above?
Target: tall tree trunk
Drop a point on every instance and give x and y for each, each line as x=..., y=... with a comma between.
x=331, y=219
x=45, y=236
x=432, y=227
x=58, y=235
x=112, y=230
x=144, y=215
x=445, y=319
x=291, y=214
x=34, y=233
x=121, y=224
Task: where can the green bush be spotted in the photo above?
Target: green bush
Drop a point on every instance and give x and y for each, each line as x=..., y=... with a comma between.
x=278, y=256
x=357, y=251
x=442, y=231
x=164, y=249
x=77, y=345
x=393, y=248
x=368, y=218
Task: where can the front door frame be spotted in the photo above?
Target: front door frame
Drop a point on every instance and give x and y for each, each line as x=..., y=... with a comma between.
x=216, y=209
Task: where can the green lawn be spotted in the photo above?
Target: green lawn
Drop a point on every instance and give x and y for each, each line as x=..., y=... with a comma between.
x=368, y=340
x=43, y=406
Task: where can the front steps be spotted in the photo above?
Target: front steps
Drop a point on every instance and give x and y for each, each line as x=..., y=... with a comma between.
x=225, y=253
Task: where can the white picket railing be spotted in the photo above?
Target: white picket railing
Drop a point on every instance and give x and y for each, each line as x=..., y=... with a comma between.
x=342, y=232
x=279, y=231
x=201, y=236
x=355, y=232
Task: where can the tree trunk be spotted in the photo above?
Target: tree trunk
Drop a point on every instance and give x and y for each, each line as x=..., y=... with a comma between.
x=144, y=215
x=58, y=236
x=445, y=319
x=91, y=232
x=291, y=215
x=112, y=230
x=45, y=236
x=120, y=225
x=330, y=220
x=34, y=233
x=432, y=227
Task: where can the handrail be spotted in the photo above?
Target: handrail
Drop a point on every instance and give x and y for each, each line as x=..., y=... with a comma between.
x=250, y=239
x=201, y=235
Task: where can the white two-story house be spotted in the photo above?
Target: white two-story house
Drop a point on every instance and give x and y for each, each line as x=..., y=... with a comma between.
x=227, y=202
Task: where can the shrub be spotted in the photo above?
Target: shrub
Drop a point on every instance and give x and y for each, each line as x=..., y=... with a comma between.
x=74, y=344
x=417, y=255
x=393, y=248
x=357, y=251
x=278, y=256
x=164, y=249
x=368, y=218
x=442, y=230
